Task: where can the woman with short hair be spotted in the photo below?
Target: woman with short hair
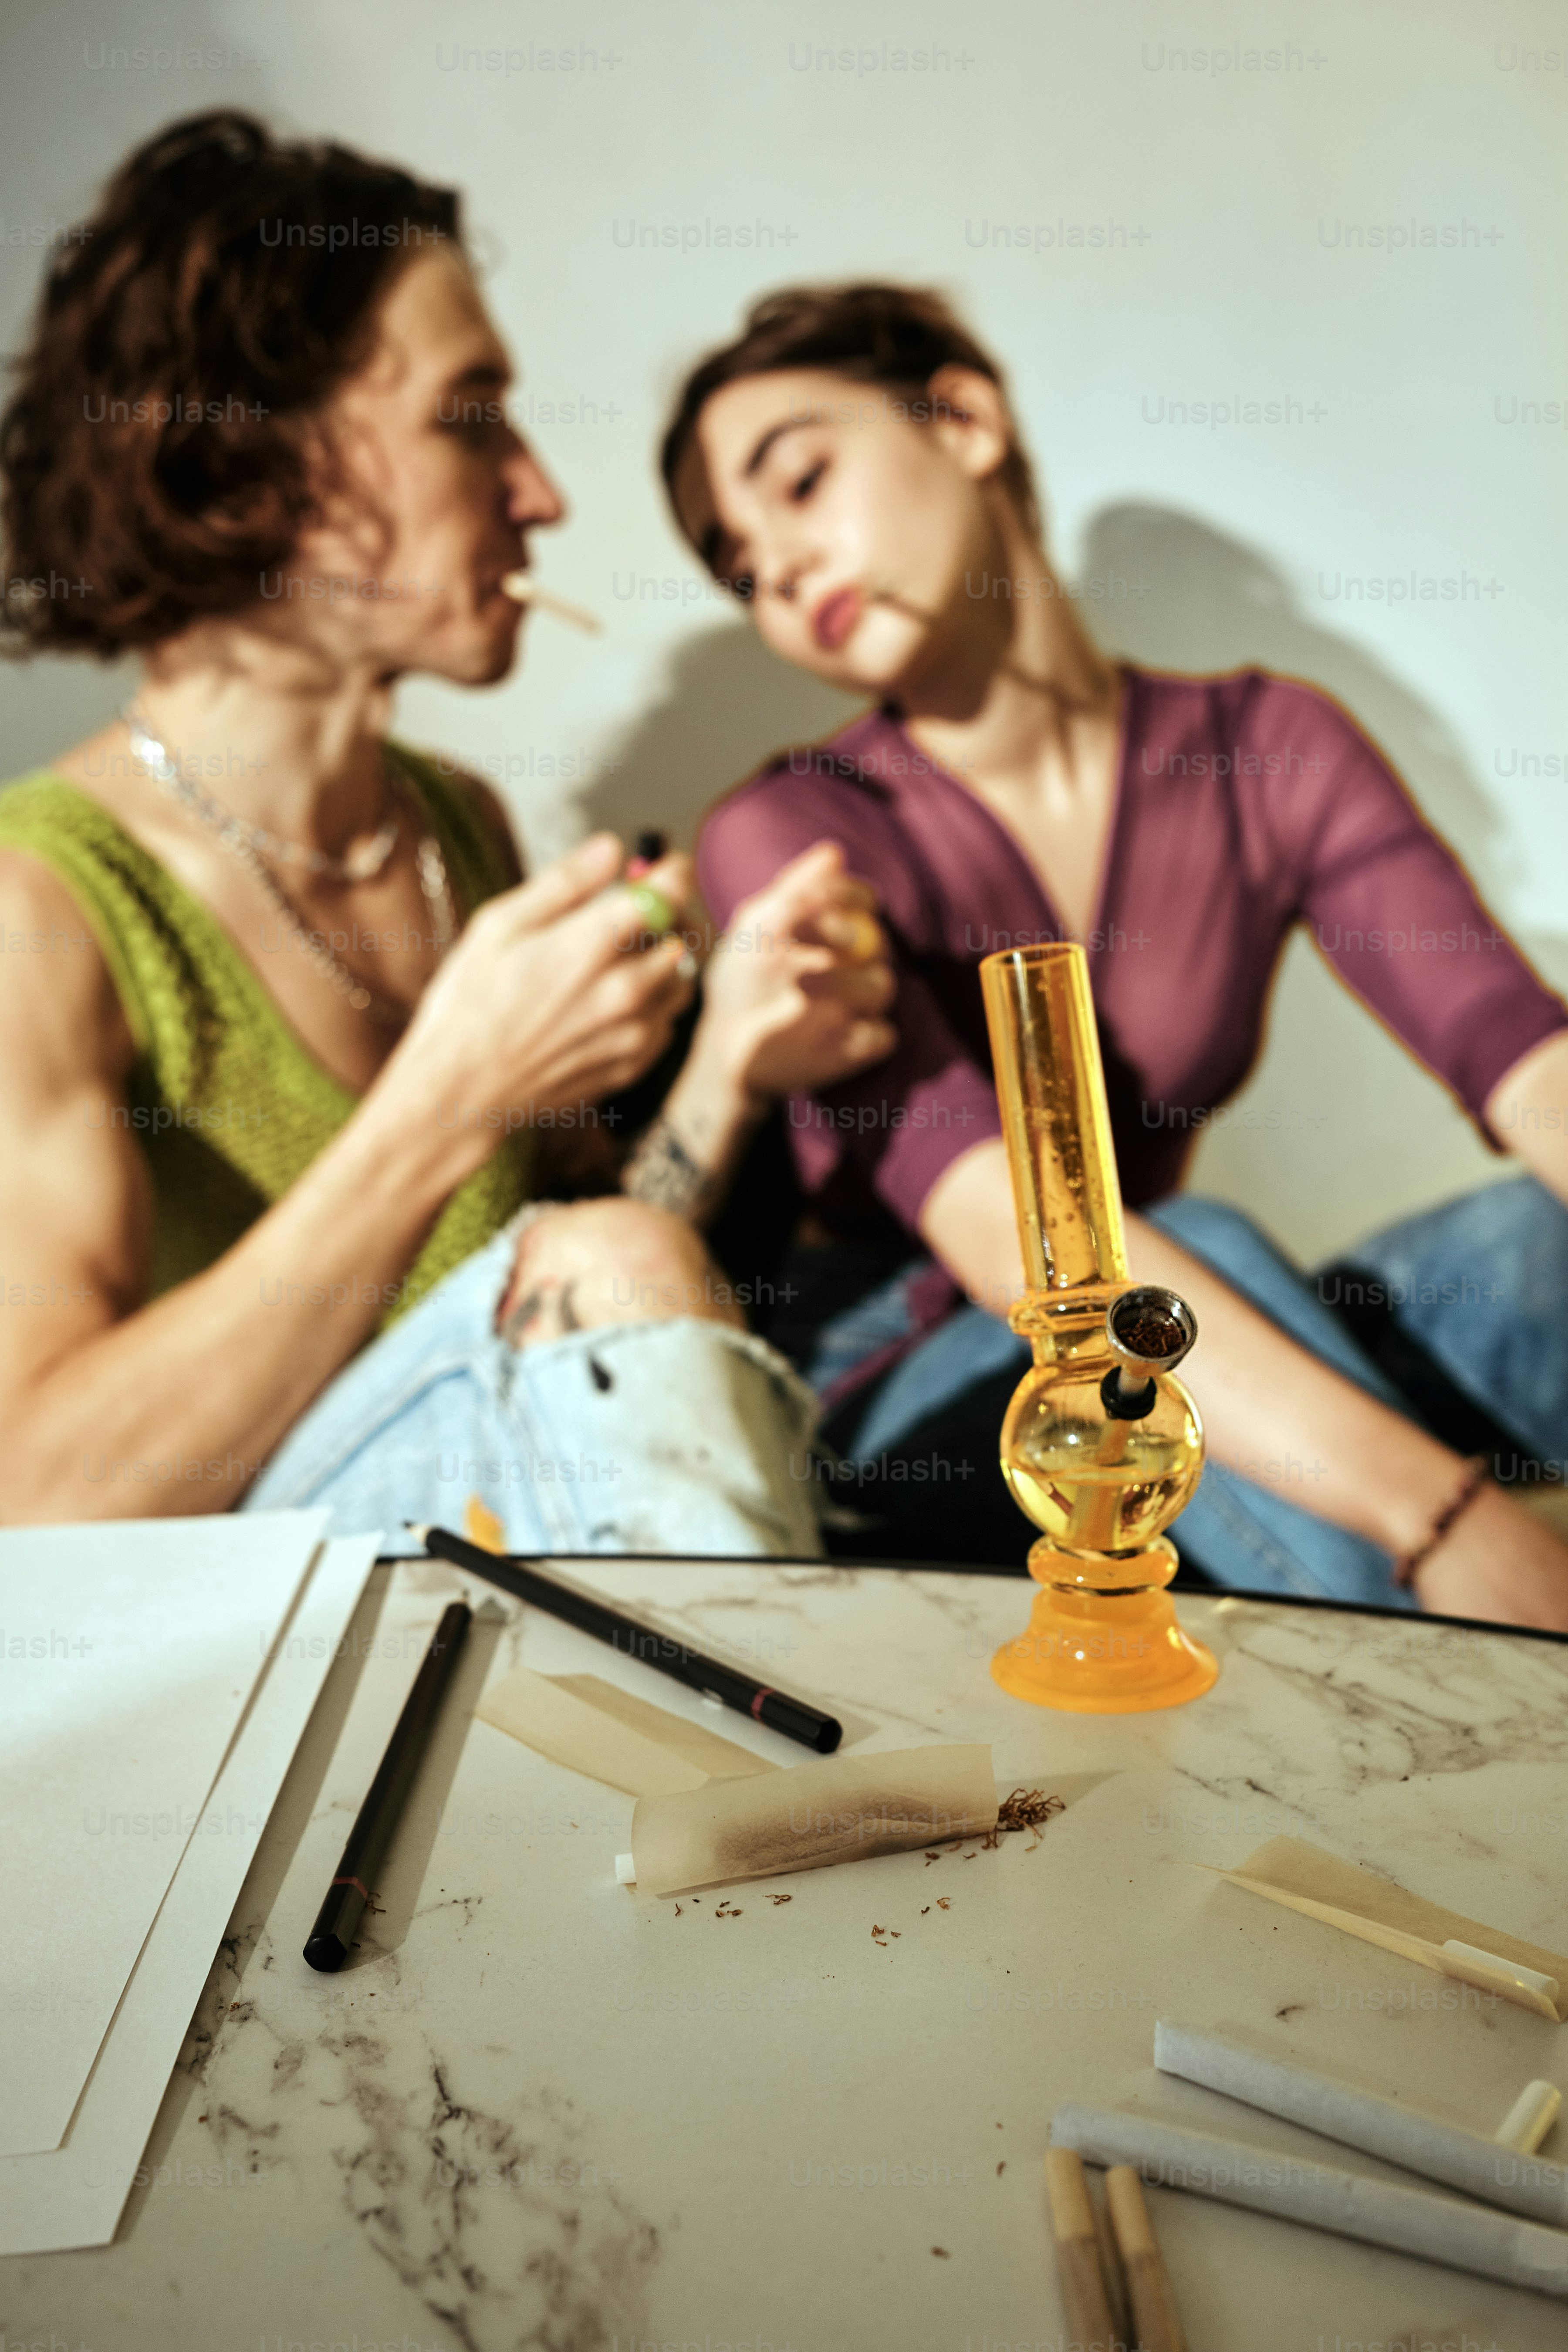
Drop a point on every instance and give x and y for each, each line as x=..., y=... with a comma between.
x=850, y=466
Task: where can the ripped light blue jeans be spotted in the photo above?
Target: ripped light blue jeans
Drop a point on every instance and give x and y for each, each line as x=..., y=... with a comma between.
x=1481, y=1283
x=673, y=1436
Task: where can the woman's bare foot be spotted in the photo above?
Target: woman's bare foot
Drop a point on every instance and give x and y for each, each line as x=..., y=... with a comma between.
x=612, y=1261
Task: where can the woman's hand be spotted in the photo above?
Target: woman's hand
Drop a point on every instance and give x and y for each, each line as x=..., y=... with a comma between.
x=793, y=998
x=548, y=999
x=795, y=990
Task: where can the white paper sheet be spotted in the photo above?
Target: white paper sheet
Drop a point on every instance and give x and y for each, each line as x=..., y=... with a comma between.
x=129, y=1652
x=72, y=2195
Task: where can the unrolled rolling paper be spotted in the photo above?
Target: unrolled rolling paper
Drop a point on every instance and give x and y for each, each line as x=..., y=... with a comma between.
x=1340, y=2111
x=597, y=1728
x=1410, y=2221
x=845, y=1809
x=1298, y=1868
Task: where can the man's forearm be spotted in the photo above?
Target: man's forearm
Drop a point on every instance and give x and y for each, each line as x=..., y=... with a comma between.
x=191, y=1393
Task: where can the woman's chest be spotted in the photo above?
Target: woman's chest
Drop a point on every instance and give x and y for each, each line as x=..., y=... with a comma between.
x=1190, y=914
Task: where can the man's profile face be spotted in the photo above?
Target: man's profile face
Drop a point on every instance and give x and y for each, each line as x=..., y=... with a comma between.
x=432, y=496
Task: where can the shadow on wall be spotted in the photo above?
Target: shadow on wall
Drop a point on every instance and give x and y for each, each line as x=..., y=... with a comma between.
x=1178, y=594
x=1196, y=600
x=727, y=704
x=1338, y=1129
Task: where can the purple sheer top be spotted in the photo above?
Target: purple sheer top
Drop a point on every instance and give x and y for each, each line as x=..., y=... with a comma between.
x=1244, y=805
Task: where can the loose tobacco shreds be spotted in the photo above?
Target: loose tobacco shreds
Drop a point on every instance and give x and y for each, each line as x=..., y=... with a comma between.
x=1025, y=1809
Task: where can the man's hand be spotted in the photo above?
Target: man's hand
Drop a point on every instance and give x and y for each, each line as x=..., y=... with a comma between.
x=550, y=997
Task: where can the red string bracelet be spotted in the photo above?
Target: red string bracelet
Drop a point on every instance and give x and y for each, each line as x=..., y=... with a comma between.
x=1476, y=1471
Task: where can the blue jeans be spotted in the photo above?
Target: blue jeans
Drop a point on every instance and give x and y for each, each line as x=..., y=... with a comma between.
x=1481, y=1283
x=673, y=1436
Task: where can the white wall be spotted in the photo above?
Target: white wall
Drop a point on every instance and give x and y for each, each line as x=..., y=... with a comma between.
x=1213, y=203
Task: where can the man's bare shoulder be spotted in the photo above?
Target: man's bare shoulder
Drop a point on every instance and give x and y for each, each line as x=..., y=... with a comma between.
x=59, y=1012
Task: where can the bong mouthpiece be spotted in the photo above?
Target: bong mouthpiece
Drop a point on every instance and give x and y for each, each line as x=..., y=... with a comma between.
x=1148, y=1330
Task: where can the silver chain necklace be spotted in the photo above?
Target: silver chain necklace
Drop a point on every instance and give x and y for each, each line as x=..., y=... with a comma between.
x=243, y=843
x=361, y=866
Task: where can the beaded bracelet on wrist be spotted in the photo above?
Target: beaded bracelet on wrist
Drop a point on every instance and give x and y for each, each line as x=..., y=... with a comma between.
x=1476, y=1470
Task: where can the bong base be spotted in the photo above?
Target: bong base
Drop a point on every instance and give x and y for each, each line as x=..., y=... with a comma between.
x=1093, y=1653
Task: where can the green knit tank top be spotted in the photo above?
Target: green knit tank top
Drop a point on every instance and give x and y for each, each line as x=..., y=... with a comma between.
x=225, y=1100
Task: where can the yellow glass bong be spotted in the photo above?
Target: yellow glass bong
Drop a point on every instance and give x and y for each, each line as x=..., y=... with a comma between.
x=1101, y=1445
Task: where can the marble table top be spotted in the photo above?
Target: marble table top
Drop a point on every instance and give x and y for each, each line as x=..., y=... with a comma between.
x=543, y=2110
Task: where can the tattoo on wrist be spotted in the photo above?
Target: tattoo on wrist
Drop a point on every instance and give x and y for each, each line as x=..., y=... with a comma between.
x=663, y=1173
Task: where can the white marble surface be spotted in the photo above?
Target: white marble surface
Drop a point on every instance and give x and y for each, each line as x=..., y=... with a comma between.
x=541, y=2110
